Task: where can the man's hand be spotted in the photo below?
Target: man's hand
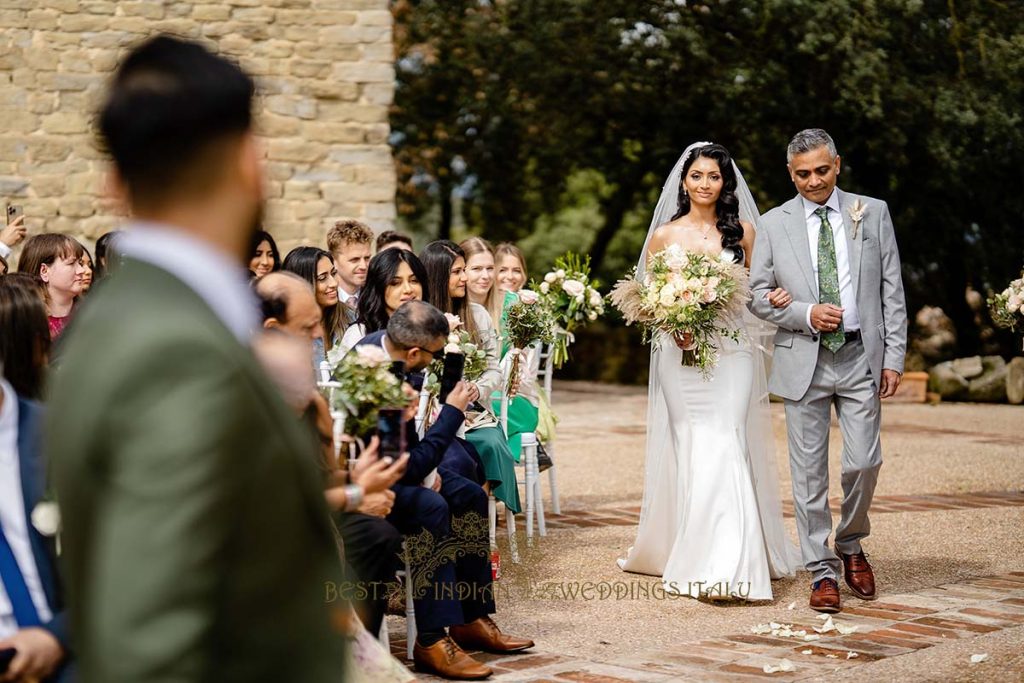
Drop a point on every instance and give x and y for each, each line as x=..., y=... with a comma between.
x=378, y=504
x=890, y=383
x=435, y=485
x=779, y=298
x=826, y=317
x=12, y=234
x=377, y=474
x=462, y=395
x=39, y=653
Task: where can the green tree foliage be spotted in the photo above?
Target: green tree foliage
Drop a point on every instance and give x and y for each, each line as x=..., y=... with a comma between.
x=554, y=122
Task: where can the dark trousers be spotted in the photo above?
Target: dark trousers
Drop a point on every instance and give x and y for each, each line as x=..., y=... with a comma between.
x=447, y=538
x=373, y=550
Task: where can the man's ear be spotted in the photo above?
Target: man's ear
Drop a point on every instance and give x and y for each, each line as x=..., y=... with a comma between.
x=271, y=324
x=250, y=165
x=839, y=163
x=789, y=169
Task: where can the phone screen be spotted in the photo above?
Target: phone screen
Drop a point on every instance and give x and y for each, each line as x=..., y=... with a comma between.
x=391, y=432
x=454, y=364
x=14, y=212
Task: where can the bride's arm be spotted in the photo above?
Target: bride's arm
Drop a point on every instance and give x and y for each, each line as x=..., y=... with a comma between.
x=747, y=242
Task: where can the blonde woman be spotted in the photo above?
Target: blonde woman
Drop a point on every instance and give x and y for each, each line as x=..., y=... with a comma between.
x=481, y=283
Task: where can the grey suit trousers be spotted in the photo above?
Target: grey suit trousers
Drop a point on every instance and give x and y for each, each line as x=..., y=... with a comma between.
x=842, y=378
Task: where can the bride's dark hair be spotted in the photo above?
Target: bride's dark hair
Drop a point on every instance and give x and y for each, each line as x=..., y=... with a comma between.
x=728, y=205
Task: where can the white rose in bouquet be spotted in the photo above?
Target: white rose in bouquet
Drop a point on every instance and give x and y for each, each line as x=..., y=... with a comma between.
x=528, y=297
x=667, y=295
x=574, y=287
x=592, y=316
x=549, y=278
x=371, y=356
x=675, y=257
x=595, y=297
x=545, y=287
x=454, y=321
x=560, y=274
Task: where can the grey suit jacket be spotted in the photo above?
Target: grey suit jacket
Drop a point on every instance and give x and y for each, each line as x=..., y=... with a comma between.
x=782, y=258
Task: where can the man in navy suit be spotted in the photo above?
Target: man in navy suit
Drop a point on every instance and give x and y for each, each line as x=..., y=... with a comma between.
x=32, y=618
x=415, y=335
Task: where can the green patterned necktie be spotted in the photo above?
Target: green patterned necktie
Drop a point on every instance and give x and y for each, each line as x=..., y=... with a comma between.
x=828, y=279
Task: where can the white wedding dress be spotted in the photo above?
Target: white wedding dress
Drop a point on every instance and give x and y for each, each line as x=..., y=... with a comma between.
x=711, y=522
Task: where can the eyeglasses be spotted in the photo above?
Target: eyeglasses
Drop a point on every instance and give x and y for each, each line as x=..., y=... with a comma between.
x=436, y=355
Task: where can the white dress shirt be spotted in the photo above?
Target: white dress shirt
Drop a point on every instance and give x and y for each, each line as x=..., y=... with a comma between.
x=847, y=297
x=5, y=251
x=12, y=516
x=219, y=280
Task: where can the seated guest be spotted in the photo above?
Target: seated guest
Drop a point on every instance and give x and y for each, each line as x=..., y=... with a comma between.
x=528, y=411
x=87, y=276
x=360, y=500
x=24, y=334
x=57, y=260
x=265, y=257
x=349, y=242
x=106, y=254
x=394, y=277
x=32, y=618
x=315, y=266
x=393, y=238
x=415, y=334
x=445, y=263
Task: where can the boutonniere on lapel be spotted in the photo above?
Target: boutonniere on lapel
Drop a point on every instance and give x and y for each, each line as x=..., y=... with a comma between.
x=857, y=215
x=46, y=519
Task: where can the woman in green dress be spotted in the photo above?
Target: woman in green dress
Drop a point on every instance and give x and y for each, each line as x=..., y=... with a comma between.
x=445, y=263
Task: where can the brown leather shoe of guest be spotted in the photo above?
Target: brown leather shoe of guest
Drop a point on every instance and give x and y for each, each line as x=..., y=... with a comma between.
x=825, y=596
x=859, y=576
x=484, y=634
x=447, y=660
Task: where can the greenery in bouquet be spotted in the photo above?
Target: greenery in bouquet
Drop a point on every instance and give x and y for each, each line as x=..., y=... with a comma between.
x=1007, y=307
x=685, y=293
x=462, y=342
x=527, y=322
x=366, y=385
x=573, y=299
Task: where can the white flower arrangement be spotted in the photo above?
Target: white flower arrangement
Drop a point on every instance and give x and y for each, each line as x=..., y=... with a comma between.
x=857, y=212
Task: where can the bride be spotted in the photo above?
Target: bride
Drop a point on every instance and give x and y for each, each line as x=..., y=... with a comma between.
x=711, y=522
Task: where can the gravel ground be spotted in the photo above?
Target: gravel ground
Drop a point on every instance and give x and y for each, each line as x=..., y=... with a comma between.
x=946, y=448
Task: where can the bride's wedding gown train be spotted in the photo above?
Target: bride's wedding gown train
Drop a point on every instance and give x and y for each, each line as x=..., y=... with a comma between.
x=711, y=522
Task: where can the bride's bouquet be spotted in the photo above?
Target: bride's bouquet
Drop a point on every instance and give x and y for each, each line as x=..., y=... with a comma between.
x=686, y=293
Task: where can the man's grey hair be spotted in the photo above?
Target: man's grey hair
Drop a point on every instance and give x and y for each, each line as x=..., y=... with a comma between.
x=417, y=324
x=811, y=138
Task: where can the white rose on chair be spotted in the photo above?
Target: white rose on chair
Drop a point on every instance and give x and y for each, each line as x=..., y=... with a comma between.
x=46, y=518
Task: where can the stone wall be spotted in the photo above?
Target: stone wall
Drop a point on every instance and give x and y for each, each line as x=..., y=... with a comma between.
x=325, y=69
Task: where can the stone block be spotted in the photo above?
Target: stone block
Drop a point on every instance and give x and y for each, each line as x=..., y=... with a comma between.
x=356, y=192
x=968, y=368
x=333, y=133
x=206, y=13
x=14, y=18
x=273, y=125
x=99, y=7
x=43, y=20
x=360, y=154
x=141, y=8
x=332, y=90
x=47, y=185
x=48, y=148
x=261, y=15
x=19, y=121
x=288, y=105
x=62, y=5
x=294, y=149
x=378, y=94
x=13, y=186
x=76, y=23
x=350, y=112
x=359, y=72
x=309, y=69
x=65, y=123
x=377, y=17
x=79, y=206
x=355, y=35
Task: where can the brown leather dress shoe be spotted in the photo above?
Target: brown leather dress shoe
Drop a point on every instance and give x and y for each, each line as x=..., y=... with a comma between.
x=825, y=596
x=447, y=660
x=858, y=575
x=484, y=634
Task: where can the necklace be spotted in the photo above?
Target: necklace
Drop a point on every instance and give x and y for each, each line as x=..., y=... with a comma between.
x=707, y=230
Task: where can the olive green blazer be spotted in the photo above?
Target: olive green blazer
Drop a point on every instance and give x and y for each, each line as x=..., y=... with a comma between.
x=196, y=540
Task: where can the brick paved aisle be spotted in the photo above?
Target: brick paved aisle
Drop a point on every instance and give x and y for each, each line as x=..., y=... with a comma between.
x=947, y=541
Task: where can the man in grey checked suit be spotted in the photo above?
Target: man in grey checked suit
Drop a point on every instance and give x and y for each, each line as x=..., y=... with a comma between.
x=841, y=341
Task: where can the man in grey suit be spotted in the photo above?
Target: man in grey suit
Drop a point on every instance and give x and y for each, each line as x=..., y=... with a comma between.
x=841, y=341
